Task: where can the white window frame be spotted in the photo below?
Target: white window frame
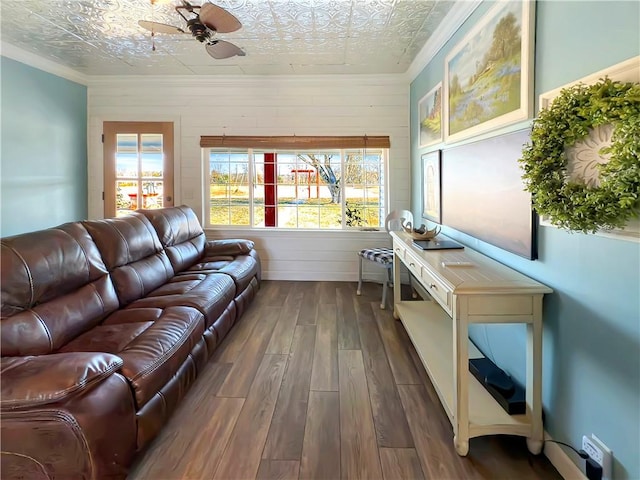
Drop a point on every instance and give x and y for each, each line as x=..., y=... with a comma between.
x=384, y=203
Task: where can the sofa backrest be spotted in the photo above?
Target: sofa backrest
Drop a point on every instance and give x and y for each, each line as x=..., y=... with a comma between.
x=181, y=234
x=133, y=255
x=54, y=287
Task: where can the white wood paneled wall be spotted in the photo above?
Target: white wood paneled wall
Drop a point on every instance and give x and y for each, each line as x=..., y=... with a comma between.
x=322, y=255
x=269, y=105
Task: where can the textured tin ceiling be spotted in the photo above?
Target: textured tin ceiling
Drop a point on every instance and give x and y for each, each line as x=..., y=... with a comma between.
x=102, y=37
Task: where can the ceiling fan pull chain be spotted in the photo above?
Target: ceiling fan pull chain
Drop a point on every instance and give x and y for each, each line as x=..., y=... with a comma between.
x=153, y=19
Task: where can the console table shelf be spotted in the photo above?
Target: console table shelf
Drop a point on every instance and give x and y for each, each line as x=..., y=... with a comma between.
x=480, y=291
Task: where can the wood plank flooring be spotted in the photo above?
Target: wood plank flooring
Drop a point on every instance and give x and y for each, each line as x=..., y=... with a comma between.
x=315, y=382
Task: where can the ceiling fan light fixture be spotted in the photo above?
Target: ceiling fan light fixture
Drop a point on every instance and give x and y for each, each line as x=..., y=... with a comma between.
x=198, y=30
x=203, y=22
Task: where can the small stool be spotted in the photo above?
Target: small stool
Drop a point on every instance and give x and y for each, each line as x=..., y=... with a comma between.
x=382, y=257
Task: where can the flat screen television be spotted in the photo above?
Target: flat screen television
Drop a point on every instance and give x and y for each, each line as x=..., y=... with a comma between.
x=483, y=193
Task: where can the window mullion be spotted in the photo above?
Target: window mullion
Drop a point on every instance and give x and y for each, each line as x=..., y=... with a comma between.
x=250, y=170
x=343, y=189
x=139, y=173
x=384, y=203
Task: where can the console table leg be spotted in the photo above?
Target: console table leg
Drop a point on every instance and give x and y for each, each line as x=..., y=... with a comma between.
x=461, y=447
x=534, y=446
x=397, y=284
x=461, y=376
x=534, y=378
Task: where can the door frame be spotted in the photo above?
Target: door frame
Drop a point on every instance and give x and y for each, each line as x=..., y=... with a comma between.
x=95, y=161
x=139, y=128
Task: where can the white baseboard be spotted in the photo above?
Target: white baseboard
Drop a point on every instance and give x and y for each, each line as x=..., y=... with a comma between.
x=310, y=276
x=559, y=459
x=367, y=277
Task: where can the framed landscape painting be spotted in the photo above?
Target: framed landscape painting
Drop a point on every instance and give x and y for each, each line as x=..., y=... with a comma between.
x=431, y=197
x=489, y=74
x=430, y=116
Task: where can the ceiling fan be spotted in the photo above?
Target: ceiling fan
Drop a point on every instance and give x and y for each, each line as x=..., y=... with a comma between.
x=203, y=22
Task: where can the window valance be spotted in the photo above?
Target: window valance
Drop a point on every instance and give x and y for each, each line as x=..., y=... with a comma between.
x=294, y=142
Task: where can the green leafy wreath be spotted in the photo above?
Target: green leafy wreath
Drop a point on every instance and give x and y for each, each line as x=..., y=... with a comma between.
x=577, y=206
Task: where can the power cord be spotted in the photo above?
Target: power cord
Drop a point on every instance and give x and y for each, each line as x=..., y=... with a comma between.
x=593, y=469
x=580, y=452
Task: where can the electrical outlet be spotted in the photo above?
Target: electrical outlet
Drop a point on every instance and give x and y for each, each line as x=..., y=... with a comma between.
x=600, y=453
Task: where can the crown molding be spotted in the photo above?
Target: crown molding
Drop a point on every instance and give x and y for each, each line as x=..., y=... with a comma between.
x=15, y=53
x=234, y=80
x=450, y=25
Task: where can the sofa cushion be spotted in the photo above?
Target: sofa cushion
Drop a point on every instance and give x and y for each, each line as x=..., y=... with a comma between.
x=51, y=295
x=208, y=293
x=132, y=253
x=180, y=233
x=188, y=250
x=242, y=268
x=152, y=352
x=107, y=338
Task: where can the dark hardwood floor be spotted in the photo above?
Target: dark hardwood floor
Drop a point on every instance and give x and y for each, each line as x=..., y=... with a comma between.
x=315, y=382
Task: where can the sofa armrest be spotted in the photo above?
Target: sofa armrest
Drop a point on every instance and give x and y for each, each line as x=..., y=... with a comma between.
x=230, y=246
x=66, y=415
x=39, y=380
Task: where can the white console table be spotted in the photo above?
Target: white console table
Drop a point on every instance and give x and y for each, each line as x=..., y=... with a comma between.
x=484, y=291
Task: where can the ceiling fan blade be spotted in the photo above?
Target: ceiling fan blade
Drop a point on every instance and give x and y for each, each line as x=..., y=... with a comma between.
x=218, y=19
x=221, y=49
x=156, y=27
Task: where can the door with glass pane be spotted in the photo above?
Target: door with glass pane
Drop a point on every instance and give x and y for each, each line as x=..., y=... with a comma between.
x=138, y=166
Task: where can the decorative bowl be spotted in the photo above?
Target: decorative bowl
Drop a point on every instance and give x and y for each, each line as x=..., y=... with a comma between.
x=422, y=233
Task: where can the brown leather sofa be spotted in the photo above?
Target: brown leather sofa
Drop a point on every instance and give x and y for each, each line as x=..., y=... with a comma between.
x=105, y=324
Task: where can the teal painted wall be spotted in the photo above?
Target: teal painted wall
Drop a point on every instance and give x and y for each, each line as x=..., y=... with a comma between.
x=591, y=359
x=43, y=167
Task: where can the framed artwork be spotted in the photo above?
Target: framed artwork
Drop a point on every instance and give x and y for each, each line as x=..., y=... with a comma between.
x=431, y=199
x=430, y=117
x=489, y=74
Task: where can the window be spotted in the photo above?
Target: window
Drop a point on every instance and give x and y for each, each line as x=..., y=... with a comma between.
x=229, y=188
x=308, y=188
